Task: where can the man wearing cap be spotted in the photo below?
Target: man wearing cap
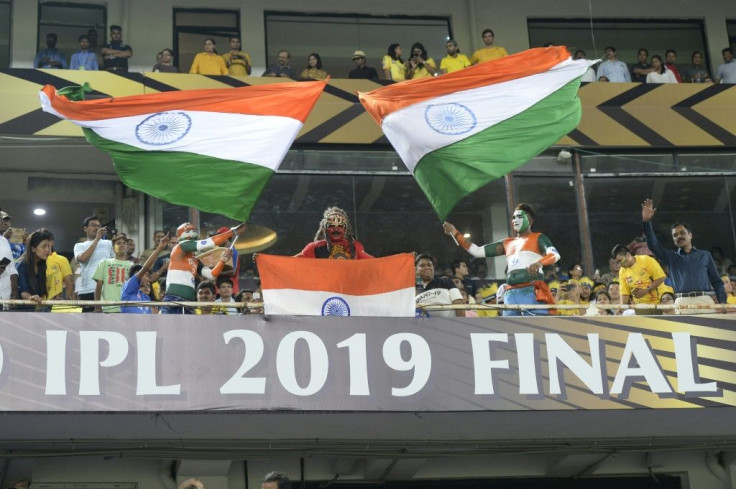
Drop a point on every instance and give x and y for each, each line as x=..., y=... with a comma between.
x=111, y=274
x=693, y=271
x=640, y=278
x=184, y=267
x=454, y=61
x=362, y=71
x=89, y=254
x=526, y=254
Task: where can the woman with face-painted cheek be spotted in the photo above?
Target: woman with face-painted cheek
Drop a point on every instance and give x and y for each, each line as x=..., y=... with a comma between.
x=526, y=253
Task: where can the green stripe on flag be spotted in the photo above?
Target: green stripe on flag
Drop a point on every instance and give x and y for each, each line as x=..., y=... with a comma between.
x=450, y=173
x=226, y=187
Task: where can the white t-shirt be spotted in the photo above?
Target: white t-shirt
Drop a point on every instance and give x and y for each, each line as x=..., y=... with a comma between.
x=85, y=284
x=5, y=252
x=439, y=297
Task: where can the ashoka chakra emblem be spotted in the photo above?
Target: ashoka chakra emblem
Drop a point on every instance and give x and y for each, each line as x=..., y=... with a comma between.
x=335, y=306
x=450, y=119
x=163, y=128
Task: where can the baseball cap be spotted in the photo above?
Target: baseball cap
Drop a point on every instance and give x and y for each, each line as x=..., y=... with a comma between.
x=359, y=54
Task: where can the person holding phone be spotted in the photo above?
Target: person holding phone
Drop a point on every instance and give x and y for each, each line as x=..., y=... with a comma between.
x=89, y=254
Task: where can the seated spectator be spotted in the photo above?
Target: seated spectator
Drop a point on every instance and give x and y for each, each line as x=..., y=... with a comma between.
x=469, y=313
x=244, y=296
x=725, y=262
x=208, y=62
x=32, y=270
x=614, y=292
x=435, y=291
x=670, y=59
x=640, y=70
x=575, y=271
x=166, y=65
x=667, y=299
x=138, y=286
x=570, y=296
x=489, y=51
x=696, y=72
x=393, y=65
x=728, y=286
x=84, y=59
x=282, y=68
x=362, y=71
x=601, y=298
x=487, y=295
x=225, y=286
x=454, y=61
x=236, y=60
x=603, y=79
x=131, y=251
x=586, y=290
x=727, y=71
x=206, y=293
x=50, y=58
x=640, y=278
x=660, y=73
x=314, y=70
x=420, y=65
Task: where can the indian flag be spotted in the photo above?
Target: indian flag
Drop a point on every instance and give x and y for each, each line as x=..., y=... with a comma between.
x=323, y=287
x=459, y=131
x=210, y=149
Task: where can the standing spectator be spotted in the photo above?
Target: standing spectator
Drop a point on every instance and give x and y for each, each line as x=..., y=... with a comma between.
x=660, y=72
x=362, y=71
x=115, y=54
x=612, y=69
x=157, y=235
x=59, y=277
x=589, y=75
x=488, y=52
x=206, y=293
x=282, y=68
x=50, y=58
x=314, y=70
x=575, y=271
x=8, y=272
x=89, y=254
x=236, y=60
x=640, y=277
x=420, y=65
x=435, y=291
x=693, y=271
x=84, y=59
x=275, y=480
x=570, y=297
x=640, y=70
x=696, y=72
x=131, y=251
x=727, y=71
x=393, y=64
x=166, y=65
x=670, y=57
x=225, y=286
x=526, y=254
x=454, y=61
x=32, y=270
x=138, y=285
x=461, y=271
x=208, y=62
x=111, y=274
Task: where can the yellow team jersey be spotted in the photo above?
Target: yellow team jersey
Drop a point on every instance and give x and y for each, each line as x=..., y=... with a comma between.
x=397, y=70
x=423, y=72
x=487, y=54
x=640, y=275
x=237, y=66
x=457, y=63
x=57, y=267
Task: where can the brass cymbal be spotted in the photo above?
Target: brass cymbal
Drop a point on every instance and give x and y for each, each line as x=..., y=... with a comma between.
x=256, y=238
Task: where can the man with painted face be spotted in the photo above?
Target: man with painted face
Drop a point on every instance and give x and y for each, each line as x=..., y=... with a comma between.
x=526, y=254
x=693, y=271
x=184, y=267
x=334, y=239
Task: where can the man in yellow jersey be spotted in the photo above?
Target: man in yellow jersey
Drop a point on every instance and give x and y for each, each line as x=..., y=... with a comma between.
x=640, y=277
x=488, y=52
x=454, y=61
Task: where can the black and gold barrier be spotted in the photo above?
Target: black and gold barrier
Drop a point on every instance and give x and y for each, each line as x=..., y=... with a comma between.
x=621, y=115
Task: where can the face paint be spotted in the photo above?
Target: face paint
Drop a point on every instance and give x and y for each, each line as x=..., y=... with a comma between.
x=520, y=221
x=335, y=228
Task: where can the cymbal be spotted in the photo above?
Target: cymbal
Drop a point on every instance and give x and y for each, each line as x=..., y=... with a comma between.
x=256, y=238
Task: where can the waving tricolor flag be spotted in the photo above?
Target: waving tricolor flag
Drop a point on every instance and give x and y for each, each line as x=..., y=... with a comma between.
x=457, y=132
x=210, y=149
x=316, y=287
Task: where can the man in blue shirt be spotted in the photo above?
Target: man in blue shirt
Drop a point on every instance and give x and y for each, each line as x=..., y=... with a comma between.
x=693, y=271
x=138, y=286
x=50, y=57
x=84, y=59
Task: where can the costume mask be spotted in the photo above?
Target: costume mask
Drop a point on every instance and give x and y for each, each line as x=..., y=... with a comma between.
x=335, y=228
x=520, y=221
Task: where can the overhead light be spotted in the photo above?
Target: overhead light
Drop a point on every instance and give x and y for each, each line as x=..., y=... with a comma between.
x=466, y=235
x=39, y=212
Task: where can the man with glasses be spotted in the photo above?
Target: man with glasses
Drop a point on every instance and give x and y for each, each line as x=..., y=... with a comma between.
x=89, y=254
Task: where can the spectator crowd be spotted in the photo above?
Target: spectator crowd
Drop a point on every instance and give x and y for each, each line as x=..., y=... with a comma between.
x=114, y=57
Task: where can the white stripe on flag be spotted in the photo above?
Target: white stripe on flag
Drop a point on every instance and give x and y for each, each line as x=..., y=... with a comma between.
x=397, y=303
x=412, y=135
